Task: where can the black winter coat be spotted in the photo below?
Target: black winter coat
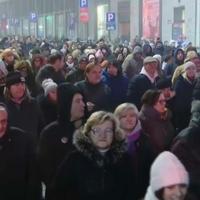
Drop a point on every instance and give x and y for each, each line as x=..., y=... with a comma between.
x=88, y=175
x=182, y=102
x=137, y=87
x=97, y=94
x=18, y=172
x=186, y=147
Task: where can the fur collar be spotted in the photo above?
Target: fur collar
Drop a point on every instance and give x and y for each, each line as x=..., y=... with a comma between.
x=85, y=147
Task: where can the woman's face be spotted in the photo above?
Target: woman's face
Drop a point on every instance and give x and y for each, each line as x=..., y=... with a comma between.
x=112, y=70
x=175, y=192
x=160, y=105
x=94, y=75
x=102, y=135
x=128, y=120
x=191, y=72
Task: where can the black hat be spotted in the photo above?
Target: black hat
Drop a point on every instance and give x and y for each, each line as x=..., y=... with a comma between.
x=164, y=83
x=83, y=58
x=13, y=78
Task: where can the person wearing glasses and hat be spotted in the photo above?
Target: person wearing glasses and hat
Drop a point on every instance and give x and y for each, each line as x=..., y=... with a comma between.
x=99, y=168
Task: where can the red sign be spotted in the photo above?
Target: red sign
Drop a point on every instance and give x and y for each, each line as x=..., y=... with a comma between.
x=151, y=19
x=84, y=15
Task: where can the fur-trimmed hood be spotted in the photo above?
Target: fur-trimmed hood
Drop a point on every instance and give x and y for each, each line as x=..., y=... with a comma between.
x=84, y=145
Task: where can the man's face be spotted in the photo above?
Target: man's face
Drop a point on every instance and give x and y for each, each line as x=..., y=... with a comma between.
x=180, y=55
x=17, y=90
x=59, y=64
x=151, y=68
x=82, y=65
x=196, y=61
x=3, y=121
x=77, y=108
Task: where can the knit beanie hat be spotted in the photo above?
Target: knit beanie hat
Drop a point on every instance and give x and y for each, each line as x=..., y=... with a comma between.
x=158, y=57
x=49, y=85
x=188, y=64
x=167, y=170
x=13, y=78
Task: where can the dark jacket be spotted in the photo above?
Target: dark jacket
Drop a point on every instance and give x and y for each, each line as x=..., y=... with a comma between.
x=49, y=109
x=98, y=94
x=182, y=102
x=75, y=76
x=141, y=152
x=86, y=174
x=18, y=173
x=137, y=87
x=56, y=138
x=186, y=147
x=118, y=86
x=196, y=90
x=26, y=116
x=49, y=72
x=160, y=130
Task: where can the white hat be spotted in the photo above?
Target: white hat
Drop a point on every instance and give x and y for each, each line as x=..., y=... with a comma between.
x=91, y=56
x=158, y=57
x=48, y=85
x=167, y=170
x=188, y=64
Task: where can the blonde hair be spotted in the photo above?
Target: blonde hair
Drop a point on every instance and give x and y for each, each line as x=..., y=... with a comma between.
x=99, y=118
x=125, y=107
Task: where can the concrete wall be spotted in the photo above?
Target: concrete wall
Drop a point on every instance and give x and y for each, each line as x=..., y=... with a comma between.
x=168, y=18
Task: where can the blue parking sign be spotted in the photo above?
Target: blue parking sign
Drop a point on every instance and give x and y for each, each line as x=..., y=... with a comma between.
x=110, y=21
x=83, y=3
x=33, y=17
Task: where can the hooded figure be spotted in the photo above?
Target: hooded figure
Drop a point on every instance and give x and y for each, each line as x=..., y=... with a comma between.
x=133, y=63
x=166, y=171
x=186, y=148
x=56, y=138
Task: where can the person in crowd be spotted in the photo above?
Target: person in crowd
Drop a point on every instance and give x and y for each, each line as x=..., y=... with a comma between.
x=167, y=65
x=190, y=56
x=24, y=112
x=159, y=65
x=186, y=147
x=7, y=59
x=48, y=101
x=147, y=50
x=168, y=179
x=144, y=81
x=159, y=48
x=69, y=64
x=25, y=69
x=100, y=167
x=96, y=93
x=18, y=172
x=53, y=70
x=138, y=145
x=56, y=138
x=37, y=62
x=132, y=65
x=184, y=87
x=78, y=74
x=112, y=76
x=179, y=56
x=155, y=120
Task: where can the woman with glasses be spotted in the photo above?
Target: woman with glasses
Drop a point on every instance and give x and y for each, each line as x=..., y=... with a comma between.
x=155, y=120
x=100, y=168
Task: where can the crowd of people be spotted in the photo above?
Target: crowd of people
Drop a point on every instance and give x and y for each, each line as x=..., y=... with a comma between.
x=94, y=120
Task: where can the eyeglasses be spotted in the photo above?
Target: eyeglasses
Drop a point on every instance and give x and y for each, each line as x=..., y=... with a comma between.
x=98, y=131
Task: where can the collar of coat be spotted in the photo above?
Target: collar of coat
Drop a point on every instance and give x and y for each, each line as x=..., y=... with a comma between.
x=84, y=145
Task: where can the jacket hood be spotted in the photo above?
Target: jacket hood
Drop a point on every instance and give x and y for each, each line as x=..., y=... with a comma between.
x=150, y=195
x=137, y=49
x=167, y=170
x=195, y=117
x=84, y=145
x=147, y=50
x=178, y=62
x=66, y=92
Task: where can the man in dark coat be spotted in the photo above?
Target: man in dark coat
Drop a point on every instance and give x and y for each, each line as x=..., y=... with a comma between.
x=186, y=147
x=56, y=138
x=18, y=175
x=53, y=70
x=144, y=81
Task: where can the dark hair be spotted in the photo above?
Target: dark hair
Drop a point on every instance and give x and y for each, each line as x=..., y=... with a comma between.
x=159, y=194
x=54, y=57
x=150, y=97
x=117, y=65
x=167, y=58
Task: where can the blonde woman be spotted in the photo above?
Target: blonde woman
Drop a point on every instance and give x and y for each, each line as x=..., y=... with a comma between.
x=99, y=168
x=138, y=145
